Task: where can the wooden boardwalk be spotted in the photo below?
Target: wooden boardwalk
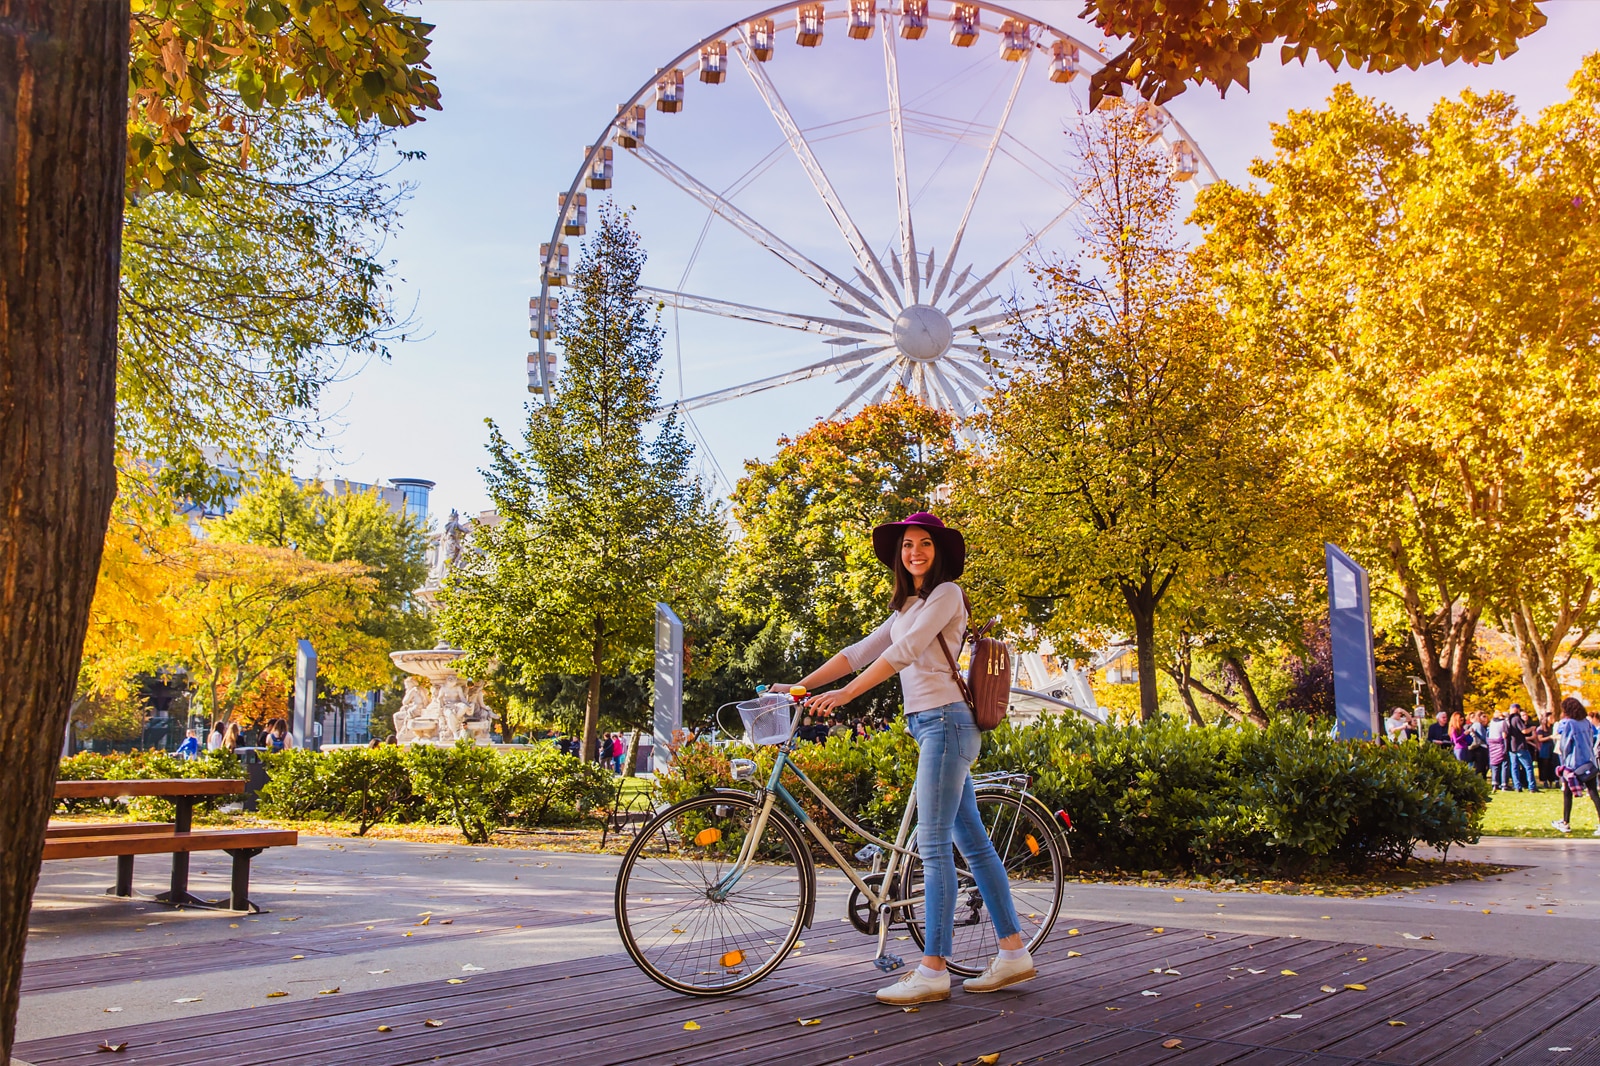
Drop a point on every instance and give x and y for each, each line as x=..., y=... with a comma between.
x=1229, y=998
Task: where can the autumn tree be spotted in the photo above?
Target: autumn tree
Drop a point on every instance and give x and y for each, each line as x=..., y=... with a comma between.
x=598, y=514
x=329, y=524
x=1171, y=43
x=1133, y=456
x=64, y=169
x=1431, y=284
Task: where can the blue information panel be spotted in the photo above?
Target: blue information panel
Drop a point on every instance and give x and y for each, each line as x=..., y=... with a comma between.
x=669, y=684
x=305, y=695
x=1355, y=674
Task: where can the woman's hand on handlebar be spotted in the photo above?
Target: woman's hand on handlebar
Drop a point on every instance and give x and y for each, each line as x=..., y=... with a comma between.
x=827, y=701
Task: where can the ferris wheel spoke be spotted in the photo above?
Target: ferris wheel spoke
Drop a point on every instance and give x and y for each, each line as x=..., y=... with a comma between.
x=960, y=301
x=897, y=137
x=983, y=172
x=828, y=327
x=808, y=268
x=826, y=366
x=874, y=376
x=953, y=400
x=982, y=382
x=808, y=161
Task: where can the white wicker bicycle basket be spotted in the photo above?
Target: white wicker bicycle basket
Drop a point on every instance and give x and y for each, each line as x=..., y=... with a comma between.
x=769, y=719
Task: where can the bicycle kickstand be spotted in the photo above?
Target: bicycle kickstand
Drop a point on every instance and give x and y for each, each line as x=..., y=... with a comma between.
x=886, y=962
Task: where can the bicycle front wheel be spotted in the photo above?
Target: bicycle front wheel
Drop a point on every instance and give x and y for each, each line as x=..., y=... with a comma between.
x=1034, y=855
x=694, y=917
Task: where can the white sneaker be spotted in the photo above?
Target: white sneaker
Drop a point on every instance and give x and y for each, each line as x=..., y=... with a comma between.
x=914, y=988
x=1001, y=973
x=1562, y=826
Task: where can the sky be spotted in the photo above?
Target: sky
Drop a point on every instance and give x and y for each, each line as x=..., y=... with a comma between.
x=526, y=86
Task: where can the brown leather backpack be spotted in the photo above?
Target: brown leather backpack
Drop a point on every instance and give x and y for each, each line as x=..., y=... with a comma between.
x=987, y=686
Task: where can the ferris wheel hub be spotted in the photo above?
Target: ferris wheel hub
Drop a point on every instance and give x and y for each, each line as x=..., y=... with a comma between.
x=922, y=333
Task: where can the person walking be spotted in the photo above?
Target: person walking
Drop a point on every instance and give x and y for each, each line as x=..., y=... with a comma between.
x=190, y=748
x=1518, y=753
x=928, y=608
x=1575, y=741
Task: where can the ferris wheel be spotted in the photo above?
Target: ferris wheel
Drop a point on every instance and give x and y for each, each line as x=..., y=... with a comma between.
x=833, y=251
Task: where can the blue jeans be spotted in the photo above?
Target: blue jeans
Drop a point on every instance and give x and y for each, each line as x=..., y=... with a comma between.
x=1522, y=770
x=1501, y=773
x=948, y=742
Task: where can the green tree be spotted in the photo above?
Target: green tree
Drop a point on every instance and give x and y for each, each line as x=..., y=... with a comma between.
x=1430, y=285
x=242, y=301
x=803, y=564
x=1134, y=455
x=599, y=518
x=341, y=526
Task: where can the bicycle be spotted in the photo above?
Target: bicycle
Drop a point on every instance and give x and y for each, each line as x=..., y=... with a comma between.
x=716, y=890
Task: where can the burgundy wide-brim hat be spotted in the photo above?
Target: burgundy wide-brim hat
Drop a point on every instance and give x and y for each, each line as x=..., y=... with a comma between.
x=949, y=545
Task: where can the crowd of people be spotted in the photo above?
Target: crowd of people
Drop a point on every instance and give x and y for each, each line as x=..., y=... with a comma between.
x=1516, y=751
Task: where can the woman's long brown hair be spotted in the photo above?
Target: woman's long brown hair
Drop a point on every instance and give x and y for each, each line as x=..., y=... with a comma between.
x=905, y=586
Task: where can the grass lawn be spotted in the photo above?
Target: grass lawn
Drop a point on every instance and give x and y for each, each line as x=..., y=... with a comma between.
x=1526, y=814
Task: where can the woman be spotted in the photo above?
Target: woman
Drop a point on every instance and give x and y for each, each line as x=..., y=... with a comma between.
x=214, y=741
x=231, y=738
x=1575, y=740
x=1460, y=738
x=1499, y=754
x=926, y=558
x=278, y=737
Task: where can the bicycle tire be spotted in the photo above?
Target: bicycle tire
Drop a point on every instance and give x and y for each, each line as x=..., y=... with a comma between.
x=1037, y=880
x=672, y=923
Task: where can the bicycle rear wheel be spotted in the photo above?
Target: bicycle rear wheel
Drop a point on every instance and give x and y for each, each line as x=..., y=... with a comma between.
x=688, y=922
x=1034, y=855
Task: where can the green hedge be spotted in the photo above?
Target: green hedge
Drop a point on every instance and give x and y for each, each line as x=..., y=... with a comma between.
x=1168, y=795
x=144, y=765
x=477, y=789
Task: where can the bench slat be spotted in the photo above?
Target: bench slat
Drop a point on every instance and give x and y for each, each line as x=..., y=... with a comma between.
x=165, y=843
x=65, y=830
x=166, y=786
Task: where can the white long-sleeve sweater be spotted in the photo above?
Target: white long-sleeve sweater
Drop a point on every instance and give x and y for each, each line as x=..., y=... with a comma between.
x=906, y=641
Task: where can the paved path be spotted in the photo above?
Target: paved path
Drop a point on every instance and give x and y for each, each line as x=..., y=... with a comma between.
x=529, y=937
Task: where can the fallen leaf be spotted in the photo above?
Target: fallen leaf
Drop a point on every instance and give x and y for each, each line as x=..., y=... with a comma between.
x=1070, y=955
x=1158, y=929
x=691, y=1026
x=1113, y=1008
x=425, y=921
x=1329, y=988
x=1291, y=1017
x=384, y=1029
x=276, y=995
x=1362, y=959
x=1486, y=912
x=1255, y=971
x=334, y=991
x=455, y=981
x=1413, y=936
x=1396, y=1021
x=293, y=957
x=910, y=1010
x=113, y=1010
x=447, y=921
x=233, y=925
x=1072, y=932
x=1173, y=973
x=296, y=918
x=189, y=999
x=809, y=1021
x=107, y=1046
x=1287, y=973
x=431, y=1024
x=1149, y=993
x=1356, y=988
x=1172, y=1045
x=469, y=968
x=1211, y=936
x=1176, y=899
x=376, y=972
x=989, y=1060
x=1559, y=1049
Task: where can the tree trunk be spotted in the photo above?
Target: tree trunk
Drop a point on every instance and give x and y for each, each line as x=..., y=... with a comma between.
x=1180, y=677
x=1443, y=639
x=1235, y=666
x=1142, y=608
x=591, y=705
x=630, y=768
x=63, y=113
x=1539, y=653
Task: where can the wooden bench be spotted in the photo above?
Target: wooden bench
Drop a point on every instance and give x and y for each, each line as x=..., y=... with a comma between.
x=242, y=844
x=124, y=840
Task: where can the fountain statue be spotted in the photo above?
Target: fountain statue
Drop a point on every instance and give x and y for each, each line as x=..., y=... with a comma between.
x=439, y=706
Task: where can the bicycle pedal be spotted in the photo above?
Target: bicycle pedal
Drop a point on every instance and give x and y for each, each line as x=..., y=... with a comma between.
x=888, y=963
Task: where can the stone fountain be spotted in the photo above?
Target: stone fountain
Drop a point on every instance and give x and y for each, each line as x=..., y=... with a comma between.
x=439, y=706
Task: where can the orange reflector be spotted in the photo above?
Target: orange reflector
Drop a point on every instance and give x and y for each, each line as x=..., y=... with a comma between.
x=707, y=837
x=1033, y=844
x=733, y=958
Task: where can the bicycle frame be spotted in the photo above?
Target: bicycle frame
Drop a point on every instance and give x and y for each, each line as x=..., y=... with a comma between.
x=898, y=851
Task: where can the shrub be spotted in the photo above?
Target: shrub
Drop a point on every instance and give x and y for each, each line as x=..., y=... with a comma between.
x=1167, y=795
x=140, y=766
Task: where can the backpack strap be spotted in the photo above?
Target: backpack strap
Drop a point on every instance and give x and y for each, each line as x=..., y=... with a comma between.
x=955, y=672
